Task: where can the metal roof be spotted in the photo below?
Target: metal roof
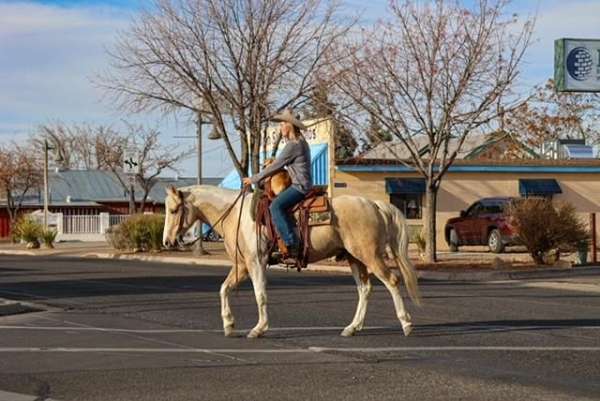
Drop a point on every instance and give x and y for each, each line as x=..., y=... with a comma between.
x=91, y=187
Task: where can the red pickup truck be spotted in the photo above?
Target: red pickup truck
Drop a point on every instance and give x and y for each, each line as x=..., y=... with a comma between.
x=483, y=223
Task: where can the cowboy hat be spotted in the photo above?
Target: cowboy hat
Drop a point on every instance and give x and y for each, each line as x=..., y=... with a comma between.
x=287, y=116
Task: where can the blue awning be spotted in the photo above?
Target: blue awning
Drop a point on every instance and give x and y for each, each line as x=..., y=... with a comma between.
x=539, y=187
x=319, y=169
x=405, y=185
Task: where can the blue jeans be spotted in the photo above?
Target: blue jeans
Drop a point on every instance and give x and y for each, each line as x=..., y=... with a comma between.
x=280, y=208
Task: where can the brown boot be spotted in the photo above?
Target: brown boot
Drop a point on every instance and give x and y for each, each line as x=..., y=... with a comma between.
x=291, y=258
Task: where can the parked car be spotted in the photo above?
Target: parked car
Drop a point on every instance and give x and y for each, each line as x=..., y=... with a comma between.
x=483, y=223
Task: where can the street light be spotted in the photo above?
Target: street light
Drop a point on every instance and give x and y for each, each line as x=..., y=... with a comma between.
x=200, y=121
x=59, y=157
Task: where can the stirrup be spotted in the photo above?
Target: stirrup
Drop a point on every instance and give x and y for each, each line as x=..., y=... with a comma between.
x=275, y=258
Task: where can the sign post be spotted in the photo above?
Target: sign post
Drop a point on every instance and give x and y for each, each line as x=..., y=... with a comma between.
x=130, y=166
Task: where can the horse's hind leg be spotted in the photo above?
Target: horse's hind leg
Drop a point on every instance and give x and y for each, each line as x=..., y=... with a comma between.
x=231, y=282
x=392, y=283
x=363, y=286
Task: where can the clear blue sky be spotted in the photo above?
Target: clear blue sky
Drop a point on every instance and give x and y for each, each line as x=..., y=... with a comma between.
x=50, y=48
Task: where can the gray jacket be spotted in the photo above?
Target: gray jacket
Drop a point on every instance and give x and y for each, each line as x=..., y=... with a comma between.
x=296, y=156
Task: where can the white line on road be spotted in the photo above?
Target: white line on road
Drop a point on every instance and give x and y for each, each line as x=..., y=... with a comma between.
x=167, y=331
x=454, y=327
x=296, y=350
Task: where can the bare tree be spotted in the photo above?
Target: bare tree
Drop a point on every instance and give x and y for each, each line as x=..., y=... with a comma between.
x=549, y=116
x=76, y=143
x=238, y=61
x=152, y=158
x=434, y=70
x=20, y=173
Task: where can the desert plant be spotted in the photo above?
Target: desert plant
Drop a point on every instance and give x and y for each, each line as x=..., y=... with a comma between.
x=543, y=227
x=28, y=230
x=141, y=232
x=421, y=242
x=156, y=224
x=117, y=238
x=48, y=237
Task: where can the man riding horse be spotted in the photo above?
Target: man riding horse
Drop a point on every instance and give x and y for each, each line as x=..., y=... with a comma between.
x=295, y=157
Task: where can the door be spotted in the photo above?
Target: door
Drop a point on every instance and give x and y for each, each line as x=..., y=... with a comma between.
x=467, y=226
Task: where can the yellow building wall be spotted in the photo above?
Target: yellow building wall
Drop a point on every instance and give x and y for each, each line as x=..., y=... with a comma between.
x=459, y=190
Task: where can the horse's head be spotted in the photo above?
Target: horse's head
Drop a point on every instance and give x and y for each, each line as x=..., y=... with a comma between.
x=179, y=217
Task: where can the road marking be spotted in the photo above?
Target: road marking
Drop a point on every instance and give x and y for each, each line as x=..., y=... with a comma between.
x=296, y=350
x=167, y=331
x=417, y=328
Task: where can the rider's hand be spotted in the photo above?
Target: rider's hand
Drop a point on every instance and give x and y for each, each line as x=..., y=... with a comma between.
x=247, y=182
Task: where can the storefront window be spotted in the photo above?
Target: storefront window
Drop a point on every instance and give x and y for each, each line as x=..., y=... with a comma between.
x=409, y=204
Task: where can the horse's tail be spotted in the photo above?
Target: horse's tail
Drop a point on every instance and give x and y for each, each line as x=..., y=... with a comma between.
x=399, y=239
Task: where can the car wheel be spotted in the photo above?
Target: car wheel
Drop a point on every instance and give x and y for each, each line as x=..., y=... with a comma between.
x=453, y=241
x=495, y=241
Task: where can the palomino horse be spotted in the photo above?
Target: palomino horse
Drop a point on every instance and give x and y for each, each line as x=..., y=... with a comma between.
x=360, y=229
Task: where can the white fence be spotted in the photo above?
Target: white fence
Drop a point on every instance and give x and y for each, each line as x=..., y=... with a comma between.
x=81, y=224
x=80, y=227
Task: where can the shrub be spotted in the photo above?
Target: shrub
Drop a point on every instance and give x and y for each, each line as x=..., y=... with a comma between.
x=28, y=230
x=141, y=232
x=543, y=227
x=421, y=242
x=48, y=237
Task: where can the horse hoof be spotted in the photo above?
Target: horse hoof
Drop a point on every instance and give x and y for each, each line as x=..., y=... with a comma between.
x=407, y=328
x=228, y=331
x=255, y=334
x=348, y=332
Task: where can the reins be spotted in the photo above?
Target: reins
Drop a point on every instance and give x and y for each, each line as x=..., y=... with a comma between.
x=223, y=217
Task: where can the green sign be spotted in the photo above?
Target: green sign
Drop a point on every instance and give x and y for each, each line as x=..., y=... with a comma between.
x=577, y=65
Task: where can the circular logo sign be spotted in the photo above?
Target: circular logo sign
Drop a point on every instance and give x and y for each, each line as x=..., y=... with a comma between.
x=579, y=63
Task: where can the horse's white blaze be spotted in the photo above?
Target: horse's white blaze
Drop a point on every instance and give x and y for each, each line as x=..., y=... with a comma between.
x=362, y=228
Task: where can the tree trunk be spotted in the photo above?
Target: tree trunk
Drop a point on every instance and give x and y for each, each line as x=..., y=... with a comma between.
x=430, y=223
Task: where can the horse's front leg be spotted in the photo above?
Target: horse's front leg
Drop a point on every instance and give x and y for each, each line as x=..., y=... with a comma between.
x=259, y=282
x=234, y=278
x=363, y=286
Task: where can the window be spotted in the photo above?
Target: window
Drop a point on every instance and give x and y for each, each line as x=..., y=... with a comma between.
x=409, y=204
x=475, y=209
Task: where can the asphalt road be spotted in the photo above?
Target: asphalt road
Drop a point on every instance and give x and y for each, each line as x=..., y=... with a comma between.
x=116, y=330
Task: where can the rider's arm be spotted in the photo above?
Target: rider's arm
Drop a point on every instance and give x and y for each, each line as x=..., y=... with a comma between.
x=286, y=156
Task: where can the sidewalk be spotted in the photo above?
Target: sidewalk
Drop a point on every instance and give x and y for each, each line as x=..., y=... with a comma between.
x=463, y=266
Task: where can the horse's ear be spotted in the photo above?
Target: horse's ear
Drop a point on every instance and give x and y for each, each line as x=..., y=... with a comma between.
x=171, y=190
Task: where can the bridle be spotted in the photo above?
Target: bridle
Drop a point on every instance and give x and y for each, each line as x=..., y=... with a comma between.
x=213, y=225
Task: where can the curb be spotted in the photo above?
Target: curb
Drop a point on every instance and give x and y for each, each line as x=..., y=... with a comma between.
x=509, y=274
x=8, y=307
x=422, y=274
x=203, y=262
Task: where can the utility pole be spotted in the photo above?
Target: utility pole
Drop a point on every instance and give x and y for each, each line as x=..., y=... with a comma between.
x=200, y=121
x=46, y=191
x=199, y=248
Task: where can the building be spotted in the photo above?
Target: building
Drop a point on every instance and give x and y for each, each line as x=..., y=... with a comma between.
x=574, y=181
x=492, y=165
x=91, y=193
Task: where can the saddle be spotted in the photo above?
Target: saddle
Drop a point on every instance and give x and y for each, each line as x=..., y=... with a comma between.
x=313, y=210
